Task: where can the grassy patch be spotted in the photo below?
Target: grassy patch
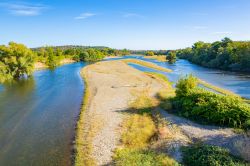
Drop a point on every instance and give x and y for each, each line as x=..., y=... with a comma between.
x=161, y=58
x=200, y=155
x=83, y=138
x=140, y=157
x=147, y=64
x=138, y=130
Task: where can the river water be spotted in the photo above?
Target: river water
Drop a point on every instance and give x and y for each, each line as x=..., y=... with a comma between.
x=38, y=116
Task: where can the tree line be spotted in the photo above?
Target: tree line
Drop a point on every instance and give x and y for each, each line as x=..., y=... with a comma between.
x=225, y=54
x=17, y=60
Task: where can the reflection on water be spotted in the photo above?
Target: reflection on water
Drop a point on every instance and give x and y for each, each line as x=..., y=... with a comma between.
x=37, y=117
x=238, y=83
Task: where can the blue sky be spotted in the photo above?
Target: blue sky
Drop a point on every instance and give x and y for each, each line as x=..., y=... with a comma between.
x=132, y=24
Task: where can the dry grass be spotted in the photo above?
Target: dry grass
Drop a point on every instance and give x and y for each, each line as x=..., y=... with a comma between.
x=87, y=128
x=161, y=58
x=138, y=130
x=147, y=64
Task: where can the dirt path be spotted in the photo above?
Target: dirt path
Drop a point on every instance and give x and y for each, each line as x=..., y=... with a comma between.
x=111, y=85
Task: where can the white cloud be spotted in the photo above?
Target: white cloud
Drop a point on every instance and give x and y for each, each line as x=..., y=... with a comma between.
x=85, y=15
x=23, y=9
x=222, y=33
x=128, y=15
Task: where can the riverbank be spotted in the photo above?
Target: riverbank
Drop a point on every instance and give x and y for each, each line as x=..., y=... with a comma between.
x=41, y=65
x=160, y=58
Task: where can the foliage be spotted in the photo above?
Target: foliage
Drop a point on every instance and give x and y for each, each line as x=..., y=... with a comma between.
x=207, y=107
x=135, y=157
x=225, y=54
x=200, y=155
x=150, y=53
x=139, y=129
x=184, y=85
x=16, y=60
x=91, y=55
x=171, y=57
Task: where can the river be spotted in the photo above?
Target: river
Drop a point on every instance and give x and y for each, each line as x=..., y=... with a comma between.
x=38, y=117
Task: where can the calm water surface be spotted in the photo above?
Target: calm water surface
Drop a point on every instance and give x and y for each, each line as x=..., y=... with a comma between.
x=38, y=115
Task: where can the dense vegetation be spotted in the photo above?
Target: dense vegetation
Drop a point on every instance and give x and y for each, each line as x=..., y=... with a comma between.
x=200, y=155
x=52, y=55
x=171, y=57
x=208, y=107
x=16, y=60
x=138, y=157
x=225, y=54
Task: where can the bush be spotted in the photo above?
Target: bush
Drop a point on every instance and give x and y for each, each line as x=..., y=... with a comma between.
x=184, y=85
x=133, y=157
x=200, y=155
x=207, y=107
x=139, y=129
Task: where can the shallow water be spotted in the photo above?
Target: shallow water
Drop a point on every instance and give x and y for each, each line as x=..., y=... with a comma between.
x=238, y=83
x=38, y=116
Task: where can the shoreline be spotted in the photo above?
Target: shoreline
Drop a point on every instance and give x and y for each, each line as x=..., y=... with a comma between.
x=41, y=65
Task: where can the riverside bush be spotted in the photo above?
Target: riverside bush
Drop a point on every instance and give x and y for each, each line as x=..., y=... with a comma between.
x=200, y=155
x=135, y=157
x=205, y=106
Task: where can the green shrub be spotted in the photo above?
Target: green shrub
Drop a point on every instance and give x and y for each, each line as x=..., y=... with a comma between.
x=202, y=155
x=184, y=85
x=133, y=157
x=208, y=107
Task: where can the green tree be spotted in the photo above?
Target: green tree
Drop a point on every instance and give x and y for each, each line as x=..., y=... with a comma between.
x=150, y=53
x=171, y=57
x=16, y=60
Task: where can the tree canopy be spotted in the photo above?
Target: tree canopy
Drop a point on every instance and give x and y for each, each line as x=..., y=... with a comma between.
x=225, y=54
x=16, y=60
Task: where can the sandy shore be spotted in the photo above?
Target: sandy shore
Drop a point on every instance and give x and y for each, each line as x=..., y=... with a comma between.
x=40, y=65
x=112, y=86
